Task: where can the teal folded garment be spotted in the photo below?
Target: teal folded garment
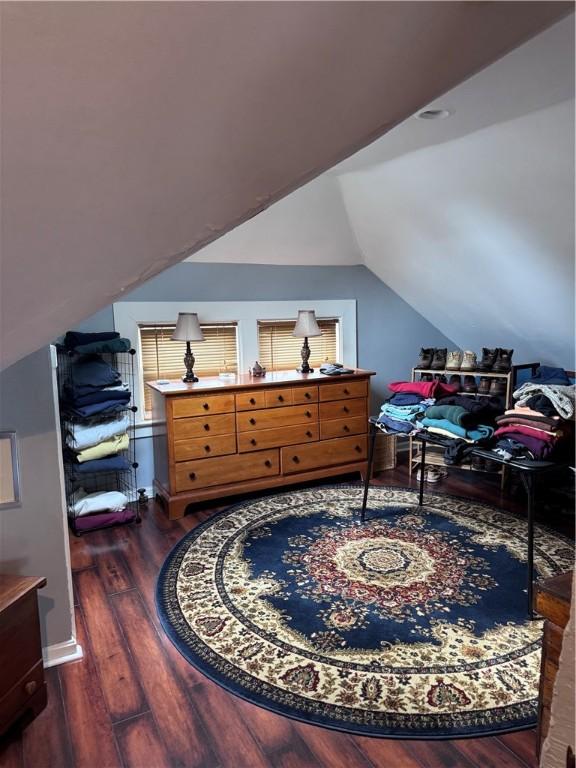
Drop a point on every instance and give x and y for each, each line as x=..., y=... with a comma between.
x=478, y=433
x=402, y=412
x=454, y=413
x=110, y=345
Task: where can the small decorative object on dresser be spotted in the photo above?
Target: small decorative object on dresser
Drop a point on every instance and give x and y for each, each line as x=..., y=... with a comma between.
x=306, y=327
x=253, y=434
x=188, y=329
x=257, y=370
x=22, y=685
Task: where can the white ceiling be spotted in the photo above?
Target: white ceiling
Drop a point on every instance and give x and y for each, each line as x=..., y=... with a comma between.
x=135, y=133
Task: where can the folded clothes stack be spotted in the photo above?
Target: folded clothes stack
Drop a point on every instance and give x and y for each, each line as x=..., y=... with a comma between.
x=409, y=401
x=88, y=343
x=541, y=422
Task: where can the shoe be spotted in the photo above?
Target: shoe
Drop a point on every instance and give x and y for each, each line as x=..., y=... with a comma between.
x=478, y=463
x=470, y=385
x=426, y=355
x=454, y=360
x=468, y=361
x=426, y=377
x=455, y=381
x=440, y=377
x=484, y=386
x=498, y=388
x=491, y=466
x=488, y=359
x=503, y=362
x=439, y=359
x=431, y=474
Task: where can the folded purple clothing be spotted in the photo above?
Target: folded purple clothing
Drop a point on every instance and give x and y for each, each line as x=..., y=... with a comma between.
x=104, y=519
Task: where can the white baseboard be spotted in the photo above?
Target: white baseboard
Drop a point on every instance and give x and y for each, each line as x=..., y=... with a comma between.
x=60, y=653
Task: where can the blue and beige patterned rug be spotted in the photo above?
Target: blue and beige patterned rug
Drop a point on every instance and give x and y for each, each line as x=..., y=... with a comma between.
x=412, y=625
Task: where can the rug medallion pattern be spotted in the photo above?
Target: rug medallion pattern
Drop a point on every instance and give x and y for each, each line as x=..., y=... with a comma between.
x=413, y=624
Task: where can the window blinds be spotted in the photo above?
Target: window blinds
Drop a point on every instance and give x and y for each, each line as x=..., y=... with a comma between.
x=280, y=351
x=163, y=358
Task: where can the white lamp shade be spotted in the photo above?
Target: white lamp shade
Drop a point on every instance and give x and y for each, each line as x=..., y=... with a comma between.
x=306, y=324
x=187, y=328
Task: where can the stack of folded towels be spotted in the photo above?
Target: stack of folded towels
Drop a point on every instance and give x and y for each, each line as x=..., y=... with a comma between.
x=409, y=402
x=541, y=422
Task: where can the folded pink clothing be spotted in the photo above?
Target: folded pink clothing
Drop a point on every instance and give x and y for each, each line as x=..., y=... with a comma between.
x=525, y=411
x=425, y=388
x=527, y=421
x=540, y=434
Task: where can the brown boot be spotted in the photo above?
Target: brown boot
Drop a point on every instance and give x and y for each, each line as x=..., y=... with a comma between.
x=469, y=385
x=498, y=388
x=484, y=386
x=426, y=355
x=439, y=359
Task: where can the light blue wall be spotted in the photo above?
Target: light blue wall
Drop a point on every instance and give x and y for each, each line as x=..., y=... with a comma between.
x=390, y=332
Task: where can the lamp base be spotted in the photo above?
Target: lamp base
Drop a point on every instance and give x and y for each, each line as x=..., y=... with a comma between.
x=305, y=369
x=189, y=379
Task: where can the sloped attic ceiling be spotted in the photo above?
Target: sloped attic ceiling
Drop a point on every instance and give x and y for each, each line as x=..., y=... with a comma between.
x=135, y=133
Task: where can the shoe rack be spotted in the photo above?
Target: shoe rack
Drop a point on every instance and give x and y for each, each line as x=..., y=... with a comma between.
x=436, y=455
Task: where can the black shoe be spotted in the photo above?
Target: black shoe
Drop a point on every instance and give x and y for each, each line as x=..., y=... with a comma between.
x=484, y=386
x=469, y=385
x=439, y=359
x=440, y=377
x=498, y=387
x=426, y=377
x=488, y=359
x=426, y=355
x=503, y=361
x=455, y=381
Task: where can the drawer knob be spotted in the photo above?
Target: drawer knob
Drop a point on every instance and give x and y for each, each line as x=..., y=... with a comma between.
x=308, y=434
x=308, y=414
x=295, y=459
x=207, y=448
x=357, y=448
x=346, y=392
x=281, y=398
x=205, y=406
x=207, y=427
x=252, y=401
x=252, y=421
x=268, y=463
x=346, y=409
x=307, y=395
x=253, y=441
x=192, y=475
x=30, y=687
x=346, y=428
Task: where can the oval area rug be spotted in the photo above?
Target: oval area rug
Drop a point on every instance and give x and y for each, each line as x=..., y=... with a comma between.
x=412, y=625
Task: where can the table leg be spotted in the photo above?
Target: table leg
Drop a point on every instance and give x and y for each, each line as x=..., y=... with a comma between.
x=528, y=482
x=373, y=430
x=422, y=473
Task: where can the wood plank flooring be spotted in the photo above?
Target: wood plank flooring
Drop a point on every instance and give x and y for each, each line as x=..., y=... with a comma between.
x=134, y=702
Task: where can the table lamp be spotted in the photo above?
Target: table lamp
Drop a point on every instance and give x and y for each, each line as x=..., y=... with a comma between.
x=188, y=329
x=306, y=327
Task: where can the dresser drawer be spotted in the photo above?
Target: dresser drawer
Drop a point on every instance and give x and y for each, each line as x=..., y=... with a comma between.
x=356, y=425
x=202, y=406
x=15, y=643
x=275, y=438
x=304, y=395
x=229, y=469
x=278, y=397
x=343, y=389
x=276, y=417
x=197, y=426
x=326, y=453
x=203, y=447
x=248, y=401
x=14, y=700
x=340, y=409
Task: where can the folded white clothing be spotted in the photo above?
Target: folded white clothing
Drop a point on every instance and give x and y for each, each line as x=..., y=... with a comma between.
x=83, y=503
x=81, y=436
x=118, y=387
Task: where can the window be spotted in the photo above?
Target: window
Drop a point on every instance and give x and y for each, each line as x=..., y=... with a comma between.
x=163, y=358
x=279, y=350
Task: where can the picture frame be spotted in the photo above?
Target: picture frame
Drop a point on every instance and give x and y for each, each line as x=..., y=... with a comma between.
x=9, y=471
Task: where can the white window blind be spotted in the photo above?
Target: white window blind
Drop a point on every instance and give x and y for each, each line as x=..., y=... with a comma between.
x=280, y=351
x=163, y=358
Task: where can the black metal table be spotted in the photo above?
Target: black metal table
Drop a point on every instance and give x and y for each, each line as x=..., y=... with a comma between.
x=528, y=469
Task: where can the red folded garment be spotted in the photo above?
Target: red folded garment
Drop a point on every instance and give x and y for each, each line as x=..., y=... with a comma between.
x=540, y=434
x=425, y=388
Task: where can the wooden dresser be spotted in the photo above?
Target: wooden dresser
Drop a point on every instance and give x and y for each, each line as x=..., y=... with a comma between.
x=552, y=600
x=22, y=685
x=245, y=434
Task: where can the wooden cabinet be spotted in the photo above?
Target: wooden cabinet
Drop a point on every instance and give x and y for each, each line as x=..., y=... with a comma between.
x=222, y=439
x=552, y=600
x=22, y=685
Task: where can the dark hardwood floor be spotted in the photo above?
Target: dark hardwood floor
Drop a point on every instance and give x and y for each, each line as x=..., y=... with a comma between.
x=133, y=701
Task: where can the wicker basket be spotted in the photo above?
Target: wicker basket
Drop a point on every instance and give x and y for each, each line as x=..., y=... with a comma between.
x=384, y=452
